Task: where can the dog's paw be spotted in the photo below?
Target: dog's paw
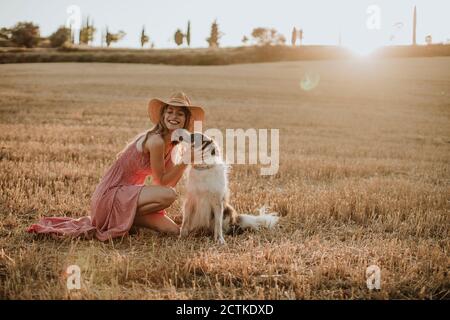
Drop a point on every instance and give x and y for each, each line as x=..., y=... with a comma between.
x=221, y=241
x=184, y=233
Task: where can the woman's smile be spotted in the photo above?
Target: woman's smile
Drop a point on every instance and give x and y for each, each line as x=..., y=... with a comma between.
x=174, y=124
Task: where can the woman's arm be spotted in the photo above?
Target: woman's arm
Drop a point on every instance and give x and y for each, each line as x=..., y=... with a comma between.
x=169, y=167
x=161, y=175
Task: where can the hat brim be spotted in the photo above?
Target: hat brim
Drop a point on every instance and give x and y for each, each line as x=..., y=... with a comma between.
x=155, y=106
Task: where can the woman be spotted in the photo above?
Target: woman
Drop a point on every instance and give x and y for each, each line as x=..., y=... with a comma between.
x=121, y=200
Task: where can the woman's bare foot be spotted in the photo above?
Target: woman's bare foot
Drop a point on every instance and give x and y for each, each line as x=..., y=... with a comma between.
x=158, y=222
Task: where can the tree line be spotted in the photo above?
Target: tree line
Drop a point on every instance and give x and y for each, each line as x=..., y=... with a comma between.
x=27, y=34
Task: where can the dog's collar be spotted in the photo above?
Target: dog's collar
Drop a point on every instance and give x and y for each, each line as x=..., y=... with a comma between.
x=202, y=166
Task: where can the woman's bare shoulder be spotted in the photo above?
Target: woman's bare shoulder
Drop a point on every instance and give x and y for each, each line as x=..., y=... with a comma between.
x=154, y=141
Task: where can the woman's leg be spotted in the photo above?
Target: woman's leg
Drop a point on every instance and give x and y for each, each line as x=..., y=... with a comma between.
x=154, y=198
x=151, y=200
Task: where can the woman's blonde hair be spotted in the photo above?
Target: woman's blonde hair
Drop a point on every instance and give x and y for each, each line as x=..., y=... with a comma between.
x=159, y=128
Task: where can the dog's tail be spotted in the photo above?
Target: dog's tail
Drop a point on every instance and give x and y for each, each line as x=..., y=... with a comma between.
x=266, y=220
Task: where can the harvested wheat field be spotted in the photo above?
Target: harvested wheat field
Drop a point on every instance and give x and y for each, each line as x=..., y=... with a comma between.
x=364, y=179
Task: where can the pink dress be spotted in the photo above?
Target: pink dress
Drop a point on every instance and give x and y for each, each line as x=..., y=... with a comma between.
x=114, y=202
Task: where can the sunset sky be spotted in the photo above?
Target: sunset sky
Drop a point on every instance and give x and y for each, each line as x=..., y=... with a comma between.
x=322, y=20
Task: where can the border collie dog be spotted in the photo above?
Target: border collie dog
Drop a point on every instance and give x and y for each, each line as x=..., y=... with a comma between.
x=206, y=207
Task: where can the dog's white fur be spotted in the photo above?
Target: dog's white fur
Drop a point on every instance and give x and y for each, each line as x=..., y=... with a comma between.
x=206, y=205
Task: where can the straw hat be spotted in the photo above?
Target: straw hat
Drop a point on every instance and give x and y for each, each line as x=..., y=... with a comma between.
x=178, y=99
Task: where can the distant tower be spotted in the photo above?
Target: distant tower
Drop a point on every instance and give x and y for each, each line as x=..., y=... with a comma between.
x=414, y=26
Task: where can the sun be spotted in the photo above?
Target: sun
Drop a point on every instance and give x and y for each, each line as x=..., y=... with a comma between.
x=363, y=50
x=364, y=44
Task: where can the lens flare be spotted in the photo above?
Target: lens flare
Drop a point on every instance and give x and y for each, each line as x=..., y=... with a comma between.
x=310, y=81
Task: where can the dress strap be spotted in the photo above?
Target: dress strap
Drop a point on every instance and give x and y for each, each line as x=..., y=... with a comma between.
x=168, y=152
